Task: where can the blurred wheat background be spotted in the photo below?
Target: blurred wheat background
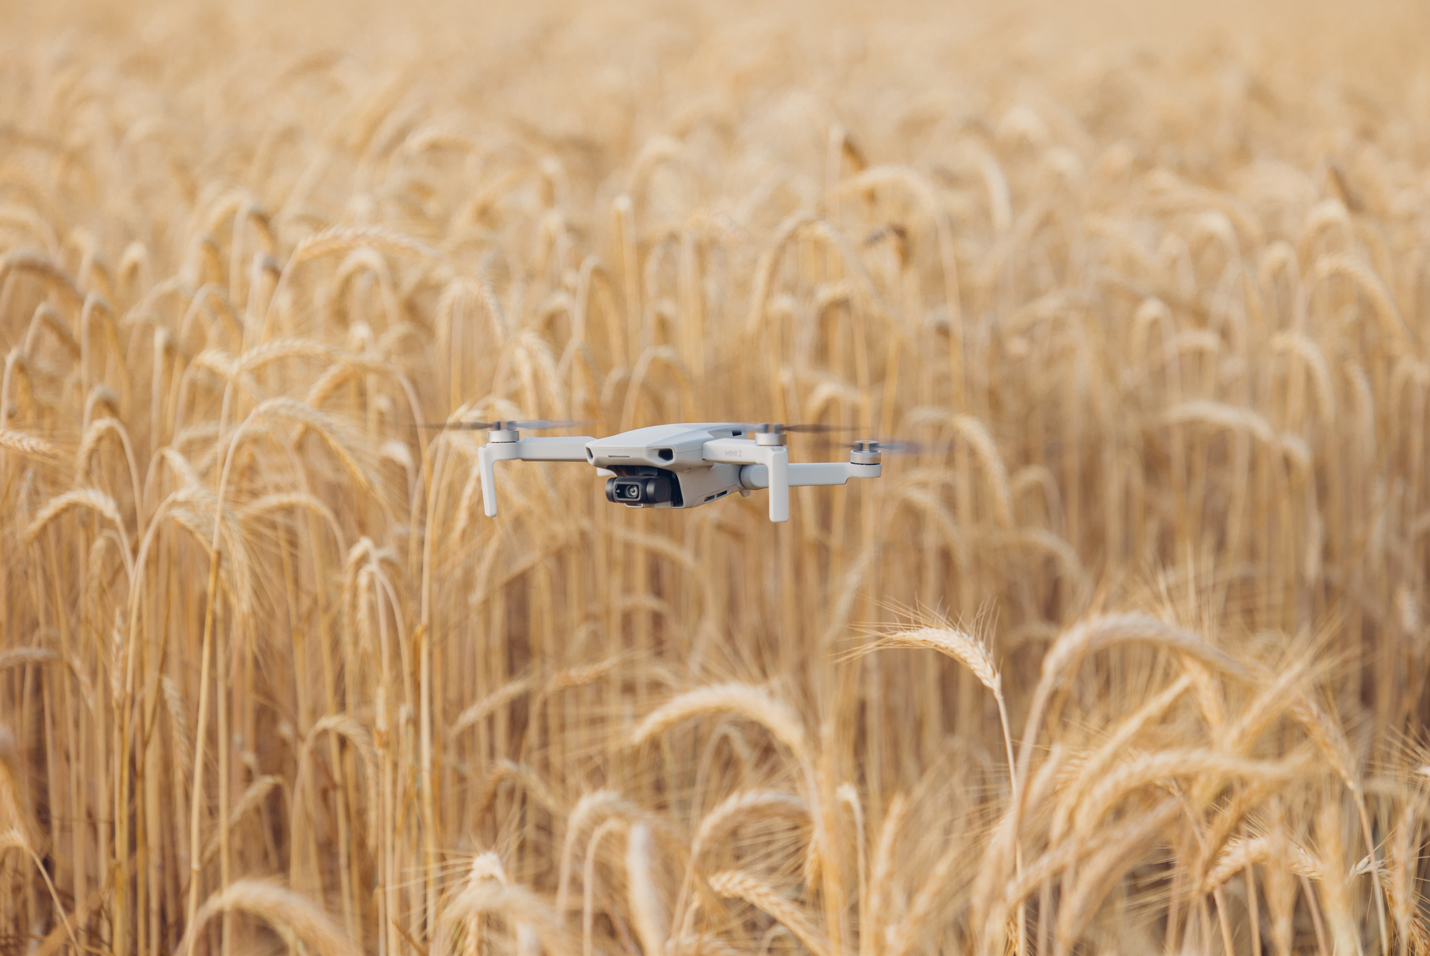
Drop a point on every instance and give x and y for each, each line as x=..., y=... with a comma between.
x=1132, y=660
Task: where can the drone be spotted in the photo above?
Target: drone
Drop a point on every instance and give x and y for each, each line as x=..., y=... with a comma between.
x=676, y=466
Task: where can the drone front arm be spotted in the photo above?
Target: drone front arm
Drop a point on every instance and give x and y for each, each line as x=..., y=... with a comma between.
x=526, y=449
x=804, y=474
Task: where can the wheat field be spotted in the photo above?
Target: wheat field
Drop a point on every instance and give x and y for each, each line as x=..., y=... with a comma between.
x=1128, y=656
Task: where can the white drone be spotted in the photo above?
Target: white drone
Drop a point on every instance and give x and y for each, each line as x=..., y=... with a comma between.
x=676, y=466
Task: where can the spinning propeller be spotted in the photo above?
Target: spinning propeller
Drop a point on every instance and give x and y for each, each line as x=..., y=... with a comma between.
x=863, y=447
x=897, y=447
x=776, y=428
x=531, y=424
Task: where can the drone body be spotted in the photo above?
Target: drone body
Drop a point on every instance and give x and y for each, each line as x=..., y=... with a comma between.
x=682, y=465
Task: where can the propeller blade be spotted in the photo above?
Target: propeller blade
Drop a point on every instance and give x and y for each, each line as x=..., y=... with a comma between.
x=440, y=426
x=900, y=447
x=807, y=427
x=914, y=448
x=819, y=429
x=533, y=424
x=537, y=424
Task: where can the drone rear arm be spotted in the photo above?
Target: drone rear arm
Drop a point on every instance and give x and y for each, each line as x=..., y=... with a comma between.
x=773, y=459
x=526, y=449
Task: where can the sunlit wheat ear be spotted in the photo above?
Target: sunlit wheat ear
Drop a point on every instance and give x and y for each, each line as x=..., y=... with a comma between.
x=1100, y=633
x=985, y=449
x=275, y=350
x=345, y=369
x=745, y=805
x=237, y=565
x=1335, y=893
x=340, y=239
x=1309, y=353
x=580, y=676
x=17, y=369
x=1112, y=630
x=748, y=701
x=1331, y=742
x=89, y=441
x=1230, y=818
x=1095, y=765
x=1220, y=415
x=1240, y=853
x=1147, y=769
x=752, y=805
x=267, y=505
x=1044, y=867
x=308, y=417
x=43, y=267
x=89, y=498
x=648, y=910
x=590, y=809
x=761, y=895
x=1391, y=322
x=517, y=904
x=1328, y=738
x=484, y=707
x=933, y=888
x=971, y=653
x=950, y=642
x=1400, y=886
x=182, y=468
x=28, y=445
x=486, y=867
x=882, y=869
x=1279, y=881
x=290, y=914
x=27, y=656
x=504, y=770
x=179, y=727
x=1272, y=702
x=998, y=863
x=247, y=803
x=1098, y=874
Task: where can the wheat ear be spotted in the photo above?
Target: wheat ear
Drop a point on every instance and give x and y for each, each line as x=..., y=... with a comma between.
x=761, y=895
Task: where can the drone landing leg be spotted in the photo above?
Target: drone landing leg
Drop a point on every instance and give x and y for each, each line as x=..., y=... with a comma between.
x=525, y=449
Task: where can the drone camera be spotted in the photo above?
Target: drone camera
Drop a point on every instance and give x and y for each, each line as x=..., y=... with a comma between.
x=640, y=490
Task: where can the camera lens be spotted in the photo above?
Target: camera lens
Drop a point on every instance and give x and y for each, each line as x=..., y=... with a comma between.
x=642, y=490
x=625, y=491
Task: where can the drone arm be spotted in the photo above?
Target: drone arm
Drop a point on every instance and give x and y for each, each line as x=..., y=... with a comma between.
x=777, y=467
x=773, y=459
x=804, y=474
x=553, y=449
x=527, y=449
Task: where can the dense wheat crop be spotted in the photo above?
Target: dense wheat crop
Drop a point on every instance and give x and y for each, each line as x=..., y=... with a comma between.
x=1129, y=658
